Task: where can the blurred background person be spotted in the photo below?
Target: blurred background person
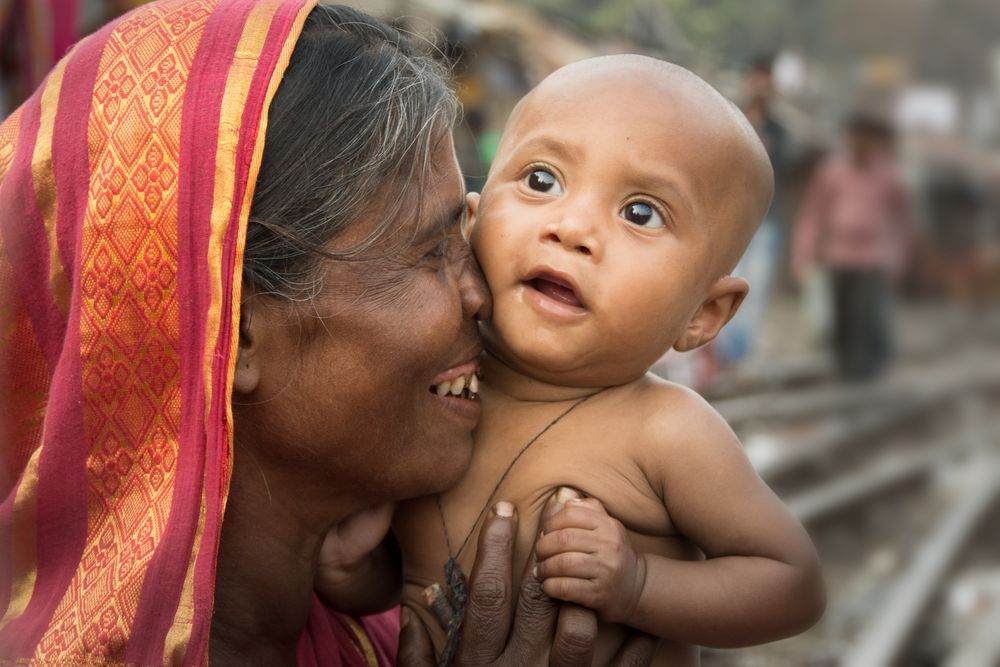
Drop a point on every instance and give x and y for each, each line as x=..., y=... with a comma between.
x=856, y=222
x=761, y=261
x=957, y=215
x=35, y=34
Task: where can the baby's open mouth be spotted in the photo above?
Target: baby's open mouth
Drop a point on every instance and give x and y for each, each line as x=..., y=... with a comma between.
x=462, y=386
x=556, y=289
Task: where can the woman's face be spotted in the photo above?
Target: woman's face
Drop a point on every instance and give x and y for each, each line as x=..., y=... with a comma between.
x=346, y=383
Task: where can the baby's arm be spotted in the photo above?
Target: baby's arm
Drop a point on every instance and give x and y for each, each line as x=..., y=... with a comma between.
x=761, y=579
x=360, y=570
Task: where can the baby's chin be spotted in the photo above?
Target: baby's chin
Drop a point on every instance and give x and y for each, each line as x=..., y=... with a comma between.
x=561, y=370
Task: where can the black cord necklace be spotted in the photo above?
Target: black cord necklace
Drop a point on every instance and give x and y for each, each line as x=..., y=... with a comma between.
x=454, y=588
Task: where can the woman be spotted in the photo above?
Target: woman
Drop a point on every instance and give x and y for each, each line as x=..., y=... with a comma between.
x=195, y=328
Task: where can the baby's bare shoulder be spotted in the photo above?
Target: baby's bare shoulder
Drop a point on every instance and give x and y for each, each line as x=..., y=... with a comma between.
x=670, y=409
x=678, y=426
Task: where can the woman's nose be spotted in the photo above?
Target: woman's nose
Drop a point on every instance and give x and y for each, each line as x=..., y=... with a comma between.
x=476, y=300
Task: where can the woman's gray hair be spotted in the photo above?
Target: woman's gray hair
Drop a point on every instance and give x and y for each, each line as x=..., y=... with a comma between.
x=359, y=111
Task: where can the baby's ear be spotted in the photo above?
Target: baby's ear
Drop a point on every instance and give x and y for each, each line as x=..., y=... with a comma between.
x=471, y=209
x=724, y=299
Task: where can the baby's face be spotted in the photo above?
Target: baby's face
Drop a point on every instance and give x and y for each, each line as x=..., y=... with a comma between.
x=599, y=228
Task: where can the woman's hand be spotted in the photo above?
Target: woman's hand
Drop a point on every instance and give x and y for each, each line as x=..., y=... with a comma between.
x=359, y=570
x=585, y=557
x=351, y=541
x=530, y=631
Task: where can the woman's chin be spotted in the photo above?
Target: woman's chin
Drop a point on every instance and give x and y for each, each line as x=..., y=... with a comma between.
x=446, y=471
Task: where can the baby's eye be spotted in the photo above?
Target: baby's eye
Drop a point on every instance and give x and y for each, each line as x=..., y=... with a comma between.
x=642, y=214
x=543, y=180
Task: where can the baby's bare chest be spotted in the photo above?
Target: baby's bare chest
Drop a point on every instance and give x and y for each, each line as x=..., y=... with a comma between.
x=519, y=461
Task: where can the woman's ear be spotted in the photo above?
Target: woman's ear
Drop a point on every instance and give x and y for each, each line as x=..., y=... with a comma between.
x=471, y=209
x=247, y=375
x=724, y=299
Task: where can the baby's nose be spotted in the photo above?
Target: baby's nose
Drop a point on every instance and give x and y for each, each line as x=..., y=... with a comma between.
x=577, y=231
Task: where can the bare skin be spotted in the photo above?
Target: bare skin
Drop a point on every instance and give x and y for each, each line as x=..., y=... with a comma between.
x=623, y=192
x=500, y=630
x=309, y=456
x=320, y=520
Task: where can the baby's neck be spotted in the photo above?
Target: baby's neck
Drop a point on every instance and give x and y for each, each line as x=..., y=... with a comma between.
x=519, y=386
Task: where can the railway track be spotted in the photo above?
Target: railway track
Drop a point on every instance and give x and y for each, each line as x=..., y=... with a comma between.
x=899, y=484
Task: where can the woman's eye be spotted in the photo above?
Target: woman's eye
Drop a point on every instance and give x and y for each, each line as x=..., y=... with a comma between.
x=644, y=215
x=438, y=251
x=543, y=181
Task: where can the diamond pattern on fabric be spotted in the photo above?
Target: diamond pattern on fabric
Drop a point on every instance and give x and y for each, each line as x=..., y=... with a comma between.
x=129, y=292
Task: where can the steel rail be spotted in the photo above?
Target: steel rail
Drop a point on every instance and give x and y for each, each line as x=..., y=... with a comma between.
x=885, y=636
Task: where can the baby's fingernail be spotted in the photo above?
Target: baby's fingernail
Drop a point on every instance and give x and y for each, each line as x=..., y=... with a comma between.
x=575, y=501
x=566, y=493
x=504, y=509
x=534, y=571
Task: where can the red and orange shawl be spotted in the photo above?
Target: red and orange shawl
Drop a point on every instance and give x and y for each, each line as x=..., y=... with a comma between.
x=125, y=184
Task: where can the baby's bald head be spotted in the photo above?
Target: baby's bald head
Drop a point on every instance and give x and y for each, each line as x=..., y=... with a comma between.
x=715, y=146
x=622, y=194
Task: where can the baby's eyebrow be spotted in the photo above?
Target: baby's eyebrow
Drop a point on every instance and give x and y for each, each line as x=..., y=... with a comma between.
x=561, y=149
x=654, y=183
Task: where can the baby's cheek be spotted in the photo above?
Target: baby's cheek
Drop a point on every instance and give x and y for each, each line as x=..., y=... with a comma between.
x=476, y=241
x=485, y=254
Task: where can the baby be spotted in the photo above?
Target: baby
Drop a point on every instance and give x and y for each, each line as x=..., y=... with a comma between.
x=623, y=192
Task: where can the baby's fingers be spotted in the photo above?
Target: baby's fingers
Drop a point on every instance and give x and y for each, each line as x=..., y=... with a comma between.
x=589, y=503
x=585, y=513
x=566, y=540
x=573, y=564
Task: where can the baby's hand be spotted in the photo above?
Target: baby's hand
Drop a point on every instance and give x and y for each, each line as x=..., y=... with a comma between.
x=584, y=556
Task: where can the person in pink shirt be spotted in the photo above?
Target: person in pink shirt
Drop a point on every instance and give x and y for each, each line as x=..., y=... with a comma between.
x=855, y=221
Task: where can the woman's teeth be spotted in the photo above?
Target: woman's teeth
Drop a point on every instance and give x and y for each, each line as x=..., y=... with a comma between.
x=463, y=386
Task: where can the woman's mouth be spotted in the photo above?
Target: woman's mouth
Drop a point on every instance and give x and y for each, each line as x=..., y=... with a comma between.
x=460, y=381
x=463, y=386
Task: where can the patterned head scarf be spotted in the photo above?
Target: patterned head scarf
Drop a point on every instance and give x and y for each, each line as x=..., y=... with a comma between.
x=125, y=184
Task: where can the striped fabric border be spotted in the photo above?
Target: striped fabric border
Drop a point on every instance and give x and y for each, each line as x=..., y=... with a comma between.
x=126, y=182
